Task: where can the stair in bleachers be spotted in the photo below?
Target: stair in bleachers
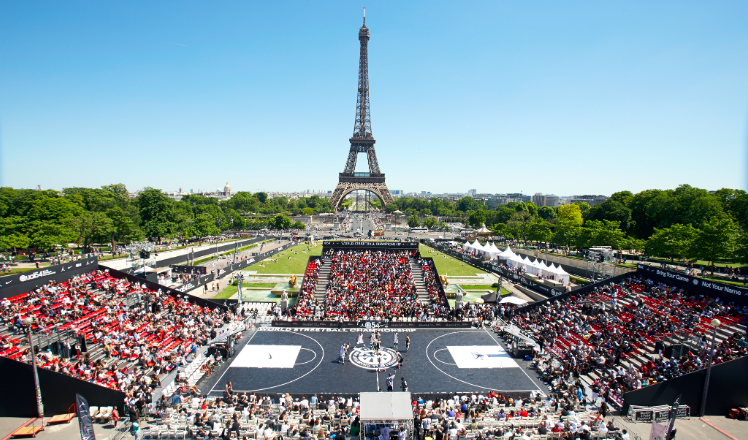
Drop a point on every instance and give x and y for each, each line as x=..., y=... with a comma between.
x=324, y=278
x=423, y=294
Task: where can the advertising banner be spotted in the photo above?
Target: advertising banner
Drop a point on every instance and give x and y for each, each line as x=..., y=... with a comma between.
x=25, y=282
x=84, y=418
x=693, y=284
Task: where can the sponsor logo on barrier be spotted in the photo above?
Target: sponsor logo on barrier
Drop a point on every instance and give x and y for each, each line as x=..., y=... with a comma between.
x=39, y=274
x=718, y=287
x=185, y=287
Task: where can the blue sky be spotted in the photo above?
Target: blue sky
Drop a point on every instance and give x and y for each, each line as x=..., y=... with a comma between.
x=573, y=97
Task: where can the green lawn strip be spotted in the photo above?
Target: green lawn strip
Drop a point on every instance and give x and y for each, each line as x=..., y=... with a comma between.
x=270, y=285
x=295, y=265
x=476, y=286
x=226, y=293
x=696, y=263
x=724, y=281
x=449, y=266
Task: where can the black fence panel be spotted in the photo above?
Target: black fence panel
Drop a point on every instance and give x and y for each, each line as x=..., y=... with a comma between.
x=18, y=284
x=18, y=395
x=728, y=388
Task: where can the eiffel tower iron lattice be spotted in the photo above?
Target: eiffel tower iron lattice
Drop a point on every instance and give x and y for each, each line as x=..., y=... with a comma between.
x=362, y=140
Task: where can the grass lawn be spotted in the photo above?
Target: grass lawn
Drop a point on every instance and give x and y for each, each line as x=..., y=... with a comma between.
x=724, y=281
x=297, y=263
x=695, y=263
x=476, y=286
x=449, y=266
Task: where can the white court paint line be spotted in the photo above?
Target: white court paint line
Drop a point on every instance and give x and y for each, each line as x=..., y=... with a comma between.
x=446, y=363
x=521, y=369
x=298, y=378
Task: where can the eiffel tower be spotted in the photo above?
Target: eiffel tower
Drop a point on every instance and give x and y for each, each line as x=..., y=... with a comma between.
x=362, y=140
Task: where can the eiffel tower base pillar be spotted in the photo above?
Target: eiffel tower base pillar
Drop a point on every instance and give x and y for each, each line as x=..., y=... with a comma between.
x=344, y=188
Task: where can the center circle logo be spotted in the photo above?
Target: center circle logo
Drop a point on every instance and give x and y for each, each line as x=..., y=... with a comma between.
x=368, y=358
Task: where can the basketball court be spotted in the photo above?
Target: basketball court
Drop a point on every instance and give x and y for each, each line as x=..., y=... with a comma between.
x=306, y=361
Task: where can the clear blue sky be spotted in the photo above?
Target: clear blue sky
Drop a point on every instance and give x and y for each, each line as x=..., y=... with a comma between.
x=502, y=96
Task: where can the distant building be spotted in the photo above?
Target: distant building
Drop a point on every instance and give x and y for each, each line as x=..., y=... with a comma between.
x=551, y=200
x=590, y=200
x=226, y=190
x=472, y=192
x=398, y=192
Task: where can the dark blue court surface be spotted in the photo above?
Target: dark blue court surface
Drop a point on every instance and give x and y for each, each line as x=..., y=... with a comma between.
x=306, y=361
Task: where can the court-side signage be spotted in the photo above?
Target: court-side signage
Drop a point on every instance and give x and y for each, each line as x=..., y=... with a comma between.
x=369, y=325
x=370, y=244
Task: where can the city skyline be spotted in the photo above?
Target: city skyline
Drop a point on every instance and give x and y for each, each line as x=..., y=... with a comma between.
x=565, y=99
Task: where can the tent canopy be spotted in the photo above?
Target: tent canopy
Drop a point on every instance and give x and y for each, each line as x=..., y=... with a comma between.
x=512, y=300
x=386, y=406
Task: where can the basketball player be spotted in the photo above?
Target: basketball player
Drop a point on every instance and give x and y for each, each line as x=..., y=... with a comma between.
x=395, y=341
x=407, y=342
x=360, y=340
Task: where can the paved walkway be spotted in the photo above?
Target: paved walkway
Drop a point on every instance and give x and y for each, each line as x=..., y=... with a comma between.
x=223, y=282
x=695, y=428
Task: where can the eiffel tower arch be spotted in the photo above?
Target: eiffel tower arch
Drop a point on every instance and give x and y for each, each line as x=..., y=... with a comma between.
x=362, y=140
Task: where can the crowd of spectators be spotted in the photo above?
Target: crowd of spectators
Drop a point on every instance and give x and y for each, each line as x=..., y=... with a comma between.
x=609, y=330
x=370, y=285
x=115, y=333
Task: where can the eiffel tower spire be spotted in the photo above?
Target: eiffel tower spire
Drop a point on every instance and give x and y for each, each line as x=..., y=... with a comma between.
x=362, y=126
x=362, y=140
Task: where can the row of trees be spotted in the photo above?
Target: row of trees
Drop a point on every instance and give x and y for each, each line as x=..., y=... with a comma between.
x=46, y=219
x=685, y=222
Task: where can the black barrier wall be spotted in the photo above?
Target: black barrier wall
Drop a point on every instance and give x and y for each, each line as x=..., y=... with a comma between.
x=18, y=398
x=728, y=388
x=18, y=284
x=203, y=280
x=367, y=245
x=197, y=255
x=695, y=285
x=369, y=325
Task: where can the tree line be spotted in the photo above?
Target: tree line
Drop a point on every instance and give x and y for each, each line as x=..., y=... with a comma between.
x=47, y=219
x=684, y=223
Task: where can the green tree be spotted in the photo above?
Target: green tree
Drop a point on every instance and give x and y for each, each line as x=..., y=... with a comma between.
x=281, y=221
x=477, y=218
x=429, y=222
x=91, y=227
x=571, y=213
x=716, y=240
x=611, y=210
x=601, y=233
x=674, y=242
x=540, y=231
x=262, y=197
x=547, y=213
x=584, y=208
x=503, y=214
x=156, y=213
x=307, y=211
x=520, y=224
x=414, y=221
x=123, y=227
x=565, y=233
x=531, y=208
x=298, y=224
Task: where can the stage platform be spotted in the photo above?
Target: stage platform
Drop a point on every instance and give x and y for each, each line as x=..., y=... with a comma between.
x=306, y=361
